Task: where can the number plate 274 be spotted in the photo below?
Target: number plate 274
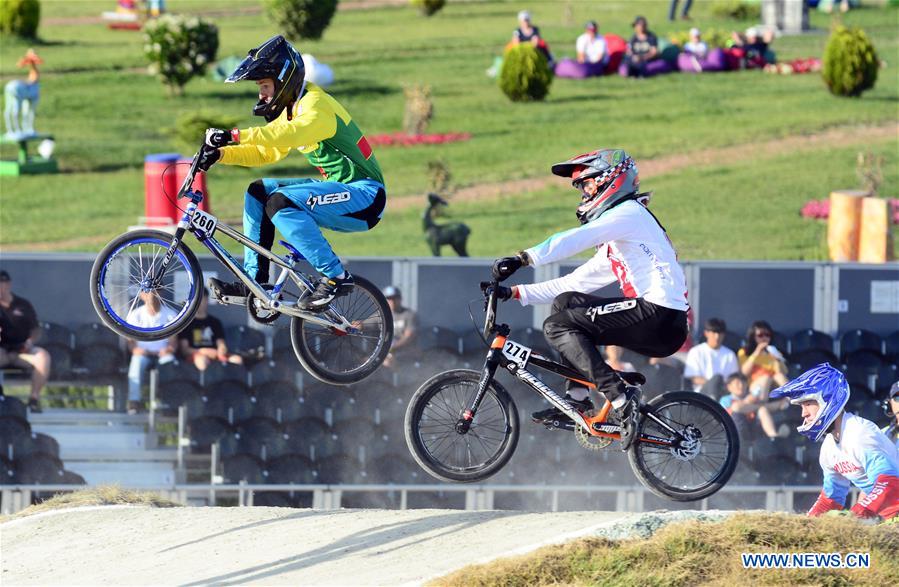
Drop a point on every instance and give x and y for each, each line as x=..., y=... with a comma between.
x=516, y=353
x=204, y=222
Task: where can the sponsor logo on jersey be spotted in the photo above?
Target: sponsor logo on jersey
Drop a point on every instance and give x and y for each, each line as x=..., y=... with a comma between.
x=325, y=199
x=610, y=308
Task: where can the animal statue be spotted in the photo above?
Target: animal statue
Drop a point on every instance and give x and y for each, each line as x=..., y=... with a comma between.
x=21, y=97
x=454, y=234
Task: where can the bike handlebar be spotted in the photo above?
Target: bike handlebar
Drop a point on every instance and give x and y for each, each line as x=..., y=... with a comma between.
x=490, y=307
x=191, y=174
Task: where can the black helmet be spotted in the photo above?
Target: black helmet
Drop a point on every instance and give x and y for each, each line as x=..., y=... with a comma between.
x=275, y=59
x=615, y=174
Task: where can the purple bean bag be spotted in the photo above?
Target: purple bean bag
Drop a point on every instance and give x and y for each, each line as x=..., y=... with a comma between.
x=572, y=69
x=716, y=60
x=654, y=67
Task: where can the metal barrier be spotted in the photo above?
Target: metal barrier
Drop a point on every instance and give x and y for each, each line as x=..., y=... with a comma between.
x=14, y=498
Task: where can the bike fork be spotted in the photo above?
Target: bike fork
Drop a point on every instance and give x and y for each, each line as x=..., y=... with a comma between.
x=490, y=365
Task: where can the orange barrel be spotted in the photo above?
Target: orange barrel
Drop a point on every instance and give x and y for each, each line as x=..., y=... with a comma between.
x=199, y=181
x=159, y=209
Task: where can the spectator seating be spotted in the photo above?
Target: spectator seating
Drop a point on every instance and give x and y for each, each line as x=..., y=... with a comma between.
x=15, y=437
x=279, y=401
x=13, y=406
x=891, y=347
x=437, y=337
x=809, y=339
x=810, y=357
x=175, y=370
x=309, y=437
x=94, y=333
x=228, y=400
x=339, y=468
x=732, y=340
x=217, y=373
x=243, y=467
x=99, y=359
x=180, y=392
x=38, y=468
x=661, y=378
x=56, y=333
x=886, y=376
x=261, y=437
x=473, y=346
x=292, y=468
x=245, y=341
x=45, y=444
x=204, y=431
x=60, y=359
x=858, y=340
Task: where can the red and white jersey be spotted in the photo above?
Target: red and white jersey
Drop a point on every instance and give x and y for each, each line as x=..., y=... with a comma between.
x=863, y=454
x=631, y=247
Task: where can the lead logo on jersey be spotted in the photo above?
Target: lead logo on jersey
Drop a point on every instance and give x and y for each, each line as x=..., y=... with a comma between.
x=325, y=199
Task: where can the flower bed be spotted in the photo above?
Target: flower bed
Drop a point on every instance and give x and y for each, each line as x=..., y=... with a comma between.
x=406, y=140
x=820, y=209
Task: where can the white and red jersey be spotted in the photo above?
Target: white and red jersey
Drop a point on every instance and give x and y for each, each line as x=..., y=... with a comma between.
x=863, y=453
x=631, y=247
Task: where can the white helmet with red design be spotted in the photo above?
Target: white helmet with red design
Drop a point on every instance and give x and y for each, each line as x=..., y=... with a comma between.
x=615, y=174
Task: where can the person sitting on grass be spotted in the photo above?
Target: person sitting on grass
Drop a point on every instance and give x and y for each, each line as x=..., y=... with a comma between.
x=853, y=452
x=641, y=49
x=592, y=49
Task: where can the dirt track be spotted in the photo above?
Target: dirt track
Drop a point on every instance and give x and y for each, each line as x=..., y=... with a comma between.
x=196, y=546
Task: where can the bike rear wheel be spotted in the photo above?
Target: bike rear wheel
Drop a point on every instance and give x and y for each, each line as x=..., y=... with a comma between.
x=447, y=454
x=692, y=470
x=341, y=358
x=122, y=282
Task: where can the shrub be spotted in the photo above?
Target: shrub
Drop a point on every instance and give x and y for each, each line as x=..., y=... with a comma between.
x=190, y=128
x=737, y=10
x=525, y=75
x=429, y=7
x=302, y=19
x=850, y=62
x=179, y=47
x=20, y=17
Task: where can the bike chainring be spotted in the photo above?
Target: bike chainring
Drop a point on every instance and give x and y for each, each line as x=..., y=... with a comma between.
x=586, y=440
x=257, y=312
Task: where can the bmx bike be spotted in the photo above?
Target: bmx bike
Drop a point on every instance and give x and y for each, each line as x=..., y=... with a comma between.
x=462, y=425
x=340, y=345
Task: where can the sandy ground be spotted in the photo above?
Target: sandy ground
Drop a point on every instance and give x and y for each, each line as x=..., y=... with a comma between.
x=269, y=546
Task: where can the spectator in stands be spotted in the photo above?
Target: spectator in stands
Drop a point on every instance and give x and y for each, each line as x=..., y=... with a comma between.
x=696, y=46
x=405, y=323
x=746, y=408
x=641, y=49
x=710, y=363
x=761, y=362
x=685, y=12
x=19, y=329
x=204, y=340
x=892, y=410
x=592, y=49
x=613, y=359
x=144, y=355
x=528, y=33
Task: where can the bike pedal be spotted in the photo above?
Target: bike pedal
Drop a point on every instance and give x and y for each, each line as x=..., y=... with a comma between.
x=559, y=425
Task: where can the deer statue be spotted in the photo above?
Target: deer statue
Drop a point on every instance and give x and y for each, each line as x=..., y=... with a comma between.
x=454, y=234
x=21, y=98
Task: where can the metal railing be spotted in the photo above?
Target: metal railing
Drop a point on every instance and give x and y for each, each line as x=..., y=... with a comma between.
x=14, y=498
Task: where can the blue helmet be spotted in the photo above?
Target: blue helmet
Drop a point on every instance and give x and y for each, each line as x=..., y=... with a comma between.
x=822, y=384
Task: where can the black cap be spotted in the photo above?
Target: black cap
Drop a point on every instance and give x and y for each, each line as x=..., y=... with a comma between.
x=639, y=19
x=4, y=276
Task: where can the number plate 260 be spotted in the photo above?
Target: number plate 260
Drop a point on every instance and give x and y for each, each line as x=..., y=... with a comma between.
x=516, y=353
x=204, y=222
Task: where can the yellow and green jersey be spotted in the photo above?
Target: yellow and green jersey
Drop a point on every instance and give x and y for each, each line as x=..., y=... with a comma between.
x=319, y=128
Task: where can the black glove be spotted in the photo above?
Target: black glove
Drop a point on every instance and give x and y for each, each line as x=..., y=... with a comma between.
x=502, y=292
x=505, y=267
x=218, y=138
x=208, y=157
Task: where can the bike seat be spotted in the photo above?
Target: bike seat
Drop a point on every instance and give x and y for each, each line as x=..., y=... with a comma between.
x=292, y=250
x=632, y=378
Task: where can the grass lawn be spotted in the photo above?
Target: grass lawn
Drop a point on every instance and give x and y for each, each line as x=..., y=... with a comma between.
x=107, y=115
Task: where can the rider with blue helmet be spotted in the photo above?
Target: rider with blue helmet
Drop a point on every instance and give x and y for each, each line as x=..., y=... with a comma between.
x=854, y=450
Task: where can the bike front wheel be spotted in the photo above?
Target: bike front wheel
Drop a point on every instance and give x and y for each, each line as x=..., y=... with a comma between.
x=695, y=466
x=138, y=299
x=343, y=358
x=450, y=455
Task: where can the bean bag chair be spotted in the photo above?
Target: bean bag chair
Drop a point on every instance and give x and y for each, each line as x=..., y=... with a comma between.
x=668, y=51
x=617, y=48
x=654, y=67
x=572, y=69
x=716, y=60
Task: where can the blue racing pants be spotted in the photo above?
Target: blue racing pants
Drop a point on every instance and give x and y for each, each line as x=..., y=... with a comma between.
x=298, y=208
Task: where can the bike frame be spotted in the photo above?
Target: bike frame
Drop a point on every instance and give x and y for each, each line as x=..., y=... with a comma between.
x=514, y=357
x=203, y=225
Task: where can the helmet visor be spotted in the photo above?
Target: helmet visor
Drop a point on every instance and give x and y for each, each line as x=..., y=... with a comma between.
x=242, y=71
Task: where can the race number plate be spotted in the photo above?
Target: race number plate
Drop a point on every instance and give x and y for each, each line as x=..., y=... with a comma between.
x=516, y=353
x=204, y=222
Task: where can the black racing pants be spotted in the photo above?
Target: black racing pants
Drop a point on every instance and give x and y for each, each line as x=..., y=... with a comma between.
x=579, y=322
